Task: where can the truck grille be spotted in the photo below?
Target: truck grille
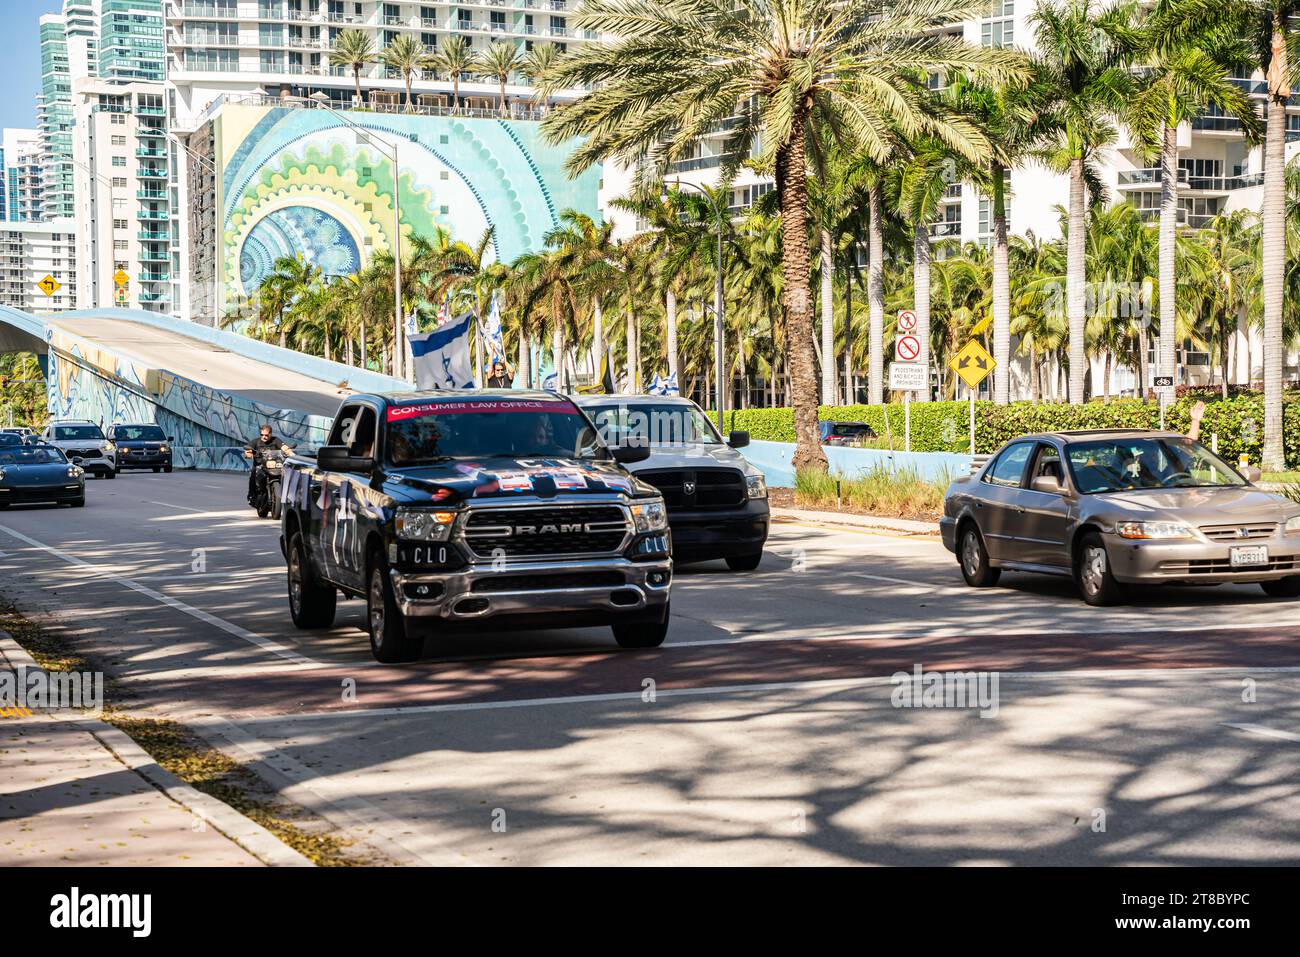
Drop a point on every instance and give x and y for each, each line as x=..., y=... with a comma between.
x=545, y=530
x=1237, y=533
x=690, y=489
x=84, y=453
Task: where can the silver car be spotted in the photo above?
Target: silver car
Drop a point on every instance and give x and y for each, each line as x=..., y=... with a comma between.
x=1115, y=508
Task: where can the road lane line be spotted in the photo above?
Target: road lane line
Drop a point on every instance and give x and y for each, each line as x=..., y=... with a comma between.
x=206, y=617
x=1263, y=731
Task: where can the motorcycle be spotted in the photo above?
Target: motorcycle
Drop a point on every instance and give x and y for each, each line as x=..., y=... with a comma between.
x=266, y=495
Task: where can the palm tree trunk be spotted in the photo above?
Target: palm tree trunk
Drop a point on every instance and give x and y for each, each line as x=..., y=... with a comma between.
x=503, y=94
x=409, y=104
x=597, y=334
x=557, y=355
x=1274, y=245
x=455, y=92
x=365, y=357
x=525, y=360
x=1144, y=365
x=1166, y=358
x=921, y=294
x=1035, y=376
x=356, y=78
x=670, y=312
x=875, y=298
x=633, y=365
x=1075, y=280
x=1105, y=380
x=828, y=319
x=792, y=193
x=848, y=334
x=1001, y=294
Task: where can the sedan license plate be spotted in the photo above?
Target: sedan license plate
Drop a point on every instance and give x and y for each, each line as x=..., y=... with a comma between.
x=1248, y=555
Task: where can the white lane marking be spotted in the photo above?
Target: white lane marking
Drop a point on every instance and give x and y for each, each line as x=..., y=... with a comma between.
x=1265, y=732
x=206, y=617
x=812, y=684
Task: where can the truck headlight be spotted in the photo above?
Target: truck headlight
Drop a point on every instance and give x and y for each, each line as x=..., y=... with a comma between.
x=419, y=525
x=164, y=448
x=107, y=447
x=756, y=485
x=1153, y=530
x=650, y=516
x=1292, y=524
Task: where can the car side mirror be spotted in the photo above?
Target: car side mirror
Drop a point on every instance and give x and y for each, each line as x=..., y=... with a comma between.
x=738, y=439
x=76, y=460
x=628, y=454
x=171, y=438
x=338, y=458
x=1252, y=474
x=1047, y=483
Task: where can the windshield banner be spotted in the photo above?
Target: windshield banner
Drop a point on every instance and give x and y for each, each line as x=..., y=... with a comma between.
x=398, y=413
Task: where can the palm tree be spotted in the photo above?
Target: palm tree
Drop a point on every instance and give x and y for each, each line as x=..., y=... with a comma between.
x=354, y=50
x=454, y=59
x=1083, y=59
x=537, y=66
x=406, y=55
x=585, y=251
x=1183, y=73
x=785, y=70
x=289, y=280
x=499, y=60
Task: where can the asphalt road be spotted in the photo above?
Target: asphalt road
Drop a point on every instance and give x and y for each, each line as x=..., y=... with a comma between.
x=764, y=731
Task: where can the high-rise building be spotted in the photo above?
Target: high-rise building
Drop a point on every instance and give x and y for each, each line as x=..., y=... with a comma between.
x=28, y=253
x=131, y=46
x=21, y=164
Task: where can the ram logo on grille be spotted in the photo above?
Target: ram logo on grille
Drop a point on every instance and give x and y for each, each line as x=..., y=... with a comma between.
x=551, y=529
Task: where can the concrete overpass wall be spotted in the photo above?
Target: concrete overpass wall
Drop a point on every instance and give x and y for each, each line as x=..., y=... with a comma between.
x=209, y=388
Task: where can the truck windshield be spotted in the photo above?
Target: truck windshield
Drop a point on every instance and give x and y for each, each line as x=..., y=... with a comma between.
x=423, y=434
x=672, y=423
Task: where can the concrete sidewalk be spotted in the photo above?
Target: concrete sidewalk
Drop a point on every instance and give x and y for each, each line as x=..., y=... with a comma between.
x=69, y=798
x=905, y=526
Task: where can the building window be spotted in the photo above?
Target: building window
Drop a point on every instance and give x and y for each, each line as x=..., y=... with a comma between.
x=119, y=161
x=999, y=30
x=119, y=181
x=118, y=140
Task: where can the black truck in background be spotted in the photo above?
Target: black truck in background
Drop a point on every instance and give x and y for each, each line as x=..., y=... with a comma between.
x=478, y=509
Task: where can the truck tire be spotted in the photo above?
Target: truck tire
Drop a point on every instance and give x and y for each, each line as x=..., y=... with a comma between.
x=643, y=634
x=311, y=603
x=744, y=563
x=390, y=641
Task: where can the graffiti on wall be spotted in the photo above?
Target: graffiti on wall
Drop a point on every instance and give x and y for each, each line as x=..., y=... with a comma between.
x=305, y=181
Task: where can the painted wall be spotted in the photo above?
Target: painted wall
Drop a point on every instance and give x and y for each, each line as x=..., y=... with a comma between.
x=773, y=459
x=303, y=181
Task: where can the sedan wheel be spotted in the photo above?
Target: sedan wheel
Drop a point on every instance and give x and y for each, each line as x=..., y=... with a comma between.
x=1092, y=574
x=974, y=559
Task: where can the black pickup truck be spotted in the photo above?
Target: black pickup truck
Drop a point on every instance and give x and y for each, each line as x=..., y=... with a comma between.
x=478, y=509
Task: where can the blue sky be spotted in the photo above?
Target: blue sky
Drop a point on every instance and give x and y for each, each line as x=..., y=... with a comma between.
x=20, y=66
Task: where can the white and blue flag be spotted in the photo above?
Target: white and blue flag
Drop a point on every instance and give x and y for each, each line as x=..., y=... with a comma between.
x=660, y=386
x=493, y=336
x=442, y=357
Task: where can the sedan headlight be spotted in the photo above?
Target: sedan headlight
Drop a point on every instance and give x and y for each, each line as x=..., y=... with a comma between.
x=2, y=475
x=422, y=526
x=1153, y=530
x=756, y=485
x=75, y=471
x=1292, y=524
x=650, y=516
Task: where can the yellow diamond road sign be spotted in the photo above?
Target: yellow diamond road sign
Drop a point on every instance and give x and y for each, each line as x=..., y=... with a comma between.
x=973, y=363
x=49, y=285
x=121, y=278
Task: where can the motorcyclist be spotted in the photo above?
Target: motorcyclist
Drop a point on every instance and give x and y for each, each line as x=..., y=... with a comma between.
x=256, y=452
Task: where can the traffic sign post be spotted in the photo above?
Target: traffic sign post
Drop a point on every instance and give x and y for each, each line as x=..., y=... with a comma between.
x=908, y=377
x=972, y=363
x=49, y=285
x=906, y=321
x=1164, y=392
x=121, y=278
x=907, y=348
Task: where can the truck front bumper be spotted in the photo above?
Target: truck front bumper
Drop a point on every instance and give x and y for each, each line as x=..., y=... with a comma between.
x=578, y=592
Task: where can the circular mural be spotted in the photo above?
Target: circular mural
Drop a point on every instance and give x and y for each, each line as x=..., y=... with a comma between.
x=314, y=234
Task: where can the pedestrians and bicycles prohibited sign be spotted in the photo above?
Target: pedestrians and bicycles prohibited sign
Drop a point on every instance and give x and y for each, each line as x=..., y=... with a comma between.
x=909, y=376
x=121, y=278
x=973, y=363
x=906, y=320
x=49, y=285
x=907, y=348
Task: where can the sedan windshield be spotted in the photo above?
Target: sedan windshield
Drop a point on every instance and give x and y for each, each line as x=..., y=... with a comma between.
x=644, y=424
x=31, y=456
x=423, y=434
x=1116, y=465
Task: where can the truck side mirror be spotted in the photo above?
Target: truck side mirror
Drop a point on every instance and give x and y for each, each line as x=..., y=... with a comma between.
x=627, y=454
x=338, y=458
x=738, y=440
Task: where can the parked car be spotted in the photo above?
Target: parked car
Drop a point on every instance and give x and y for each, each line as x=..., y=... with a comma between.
x=84, y=440
x=845, y=433
x=1117, y=508
x=39, y=473
x=717, y=501
x=11, y=440
x=480, y=511
x=142, y=446
x=24, y=433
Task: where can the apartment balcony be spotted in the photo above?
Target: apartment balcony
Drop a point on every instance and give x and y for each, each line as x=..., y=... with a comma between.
x=1141, y=179
x=150, y=132
x=154, y=296
x=948, y=229
x=153, y=216
x=155, y=277
x=200, y=11
x=159, y=173
x=151, y=110
x=1138, y=180
x=153, y=257
x=151, y=154
x=153, y=194
x=154, y=237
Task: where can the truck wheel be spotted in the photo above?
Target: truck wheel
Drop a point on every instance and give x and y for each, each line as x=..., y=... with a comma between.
x=643, y=634
x=1288, y=587
x=389, y=640
x=1092, y=574
x=111, y=475
x=744, y=563
x=310, y=603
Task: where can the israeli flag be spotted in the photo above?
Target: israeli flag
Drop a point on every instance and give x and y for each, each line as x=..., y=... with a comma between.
x=551, y=383
x=442, y=357
x=661, y=386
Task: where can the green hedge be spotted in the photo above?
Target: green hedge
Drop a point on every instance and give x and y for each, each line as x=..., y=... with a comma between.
x=943, y=426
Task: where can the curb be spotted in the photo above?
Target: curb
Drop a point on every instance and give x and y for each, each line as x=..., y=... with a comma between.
x=248, y=834
x=897, y=526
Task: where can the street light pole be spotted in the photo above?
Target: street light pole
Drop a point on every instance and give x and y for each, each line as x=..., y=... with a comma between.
x=390, y=150
x=720, y=399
